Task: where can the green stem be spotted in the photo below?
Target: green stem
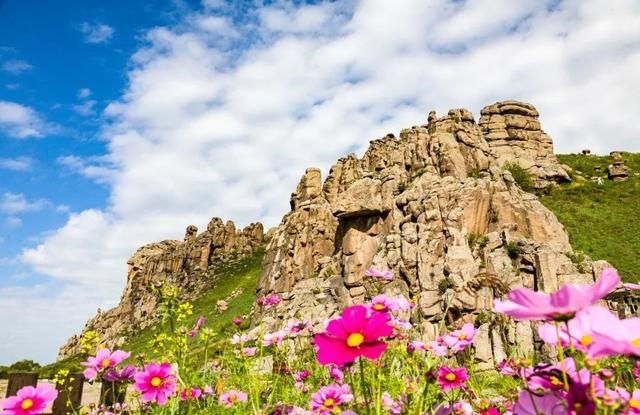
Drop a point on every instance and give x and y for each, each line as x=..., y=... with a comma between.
x=363, y=384
x=565, y=380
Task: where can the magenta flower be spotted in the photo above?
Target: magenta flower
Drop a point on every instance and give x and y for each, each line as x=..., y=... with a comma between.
x=532, y=404
x=126, y=374
x=156, y=383
x=30, y=400
x=230, y=398
x=634, y=403
x=187, y=394
x=336, y=374
x=294, y=328
x=352, y=335
x=562, y=305
x=329, y=398
x=459, y=339
x=102, y=361
x=448, y=378
x=269, y=301
x=237, y=321
x=381, y=275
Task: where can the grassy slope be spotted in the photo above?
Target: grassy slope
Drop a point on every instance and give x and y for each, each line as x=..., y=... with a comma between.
x=603, y=221
x=243, y=275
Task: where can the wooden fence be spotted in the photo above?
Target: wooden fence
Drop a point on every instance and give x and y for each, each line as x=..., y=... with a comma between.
x=69, y=391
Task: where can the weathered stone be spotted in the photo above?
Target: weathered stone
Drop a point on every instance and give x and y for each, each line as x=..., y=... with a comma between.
x=189, y=265
x=436, y=208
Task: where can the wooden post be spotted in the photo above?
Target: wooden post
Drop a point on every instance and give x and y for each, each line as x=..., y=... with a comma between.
x=69, y=395
x=113, y=392
x=19, y=380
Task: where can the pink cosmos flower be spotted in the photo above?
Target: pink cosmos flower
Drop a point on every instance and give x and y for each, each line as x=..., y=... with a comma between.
x=239, y=339
x=273, y=338
x=190, y=394
x=507, y=367
x=29, y=400
x=383, y=304
x=102, y=361
x=199, y=323
x=249, y=351
x=449, y=378
x=391, y=406
x=352, y=335
x=294, y=328
x=630, y=286
x=436, y=348
x=531, y=404
x=207, y=390
x=230, y=398
x=126, y=374
x=634, y=403
x=156, y=383
x=613, y=336
x=580, y=328
x=329, y=398
x=414, y=346
x=336, y=374
x=381, y=275
x=458, y=408
x=269, y=301
x=459, y=339
x=562, y=305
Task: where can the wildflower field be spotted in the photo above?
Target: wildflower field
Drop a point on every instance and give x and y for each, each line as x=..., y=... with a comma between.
x=370, y=360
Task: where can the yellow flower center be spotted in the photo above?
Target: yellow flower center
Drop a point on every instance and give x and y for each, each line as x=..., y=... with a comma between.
x=450, y=377
x=329, y=402
x=634, y=403
x=156, y=381
x=379, y=307
x=586, y=340
x=355, y=339
x=106, y=363
x=26, y=404
x=462, y=336
x=233, y=398
x=555, y=381
x=635, y=342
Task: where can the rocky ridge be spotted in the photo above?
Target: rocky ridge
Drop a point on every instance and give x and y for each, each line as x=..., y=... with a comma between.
x=189, y=265
x=436, y=208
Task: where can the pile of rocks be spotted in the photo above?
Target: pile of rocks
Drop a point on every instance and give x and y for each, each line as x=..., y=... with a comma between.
x=618, y=170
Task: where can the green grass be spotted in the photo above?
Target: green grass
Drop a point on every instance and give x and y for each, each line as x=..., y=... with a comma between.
x=242, y=274
x=603, y=221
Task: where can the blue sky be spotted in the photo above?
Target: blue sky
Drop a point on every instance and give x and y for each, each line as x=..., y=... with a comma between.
x=123, y=122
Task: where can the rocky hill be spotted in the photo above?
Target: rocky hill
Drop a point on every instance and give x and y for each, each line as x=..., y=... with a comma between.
x=190, y=265
x=436, y=208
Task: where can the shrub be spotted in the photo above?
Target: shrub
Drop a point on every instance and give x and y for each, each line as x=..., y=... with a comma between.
x=513, y=249
x=521, y=176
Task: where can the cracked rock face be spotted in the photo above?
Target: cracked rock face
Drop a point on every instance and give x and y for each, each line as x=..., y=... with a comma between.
x=189, y=265
x=436, y=208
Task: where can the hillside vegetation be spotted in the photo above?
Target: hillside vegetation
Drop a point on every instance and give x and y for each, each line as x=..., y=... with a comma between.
x=603, y=220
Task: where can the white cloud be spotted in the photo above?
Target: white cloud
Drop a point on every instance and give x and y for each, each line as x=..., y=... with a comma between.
x=86, y=108
x=84, y=93
x=14, y=203
x=20, y=121
x=98, y=168
x=227, y=128
x=16, y=164
x=98, y=33
x=16, y=67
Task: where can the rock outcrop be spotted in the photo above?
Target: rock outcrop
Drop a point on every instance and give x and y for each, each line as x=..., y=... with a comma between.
x=618, y=170
x=436, y=208
x=190, y=265
x=513, y=131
